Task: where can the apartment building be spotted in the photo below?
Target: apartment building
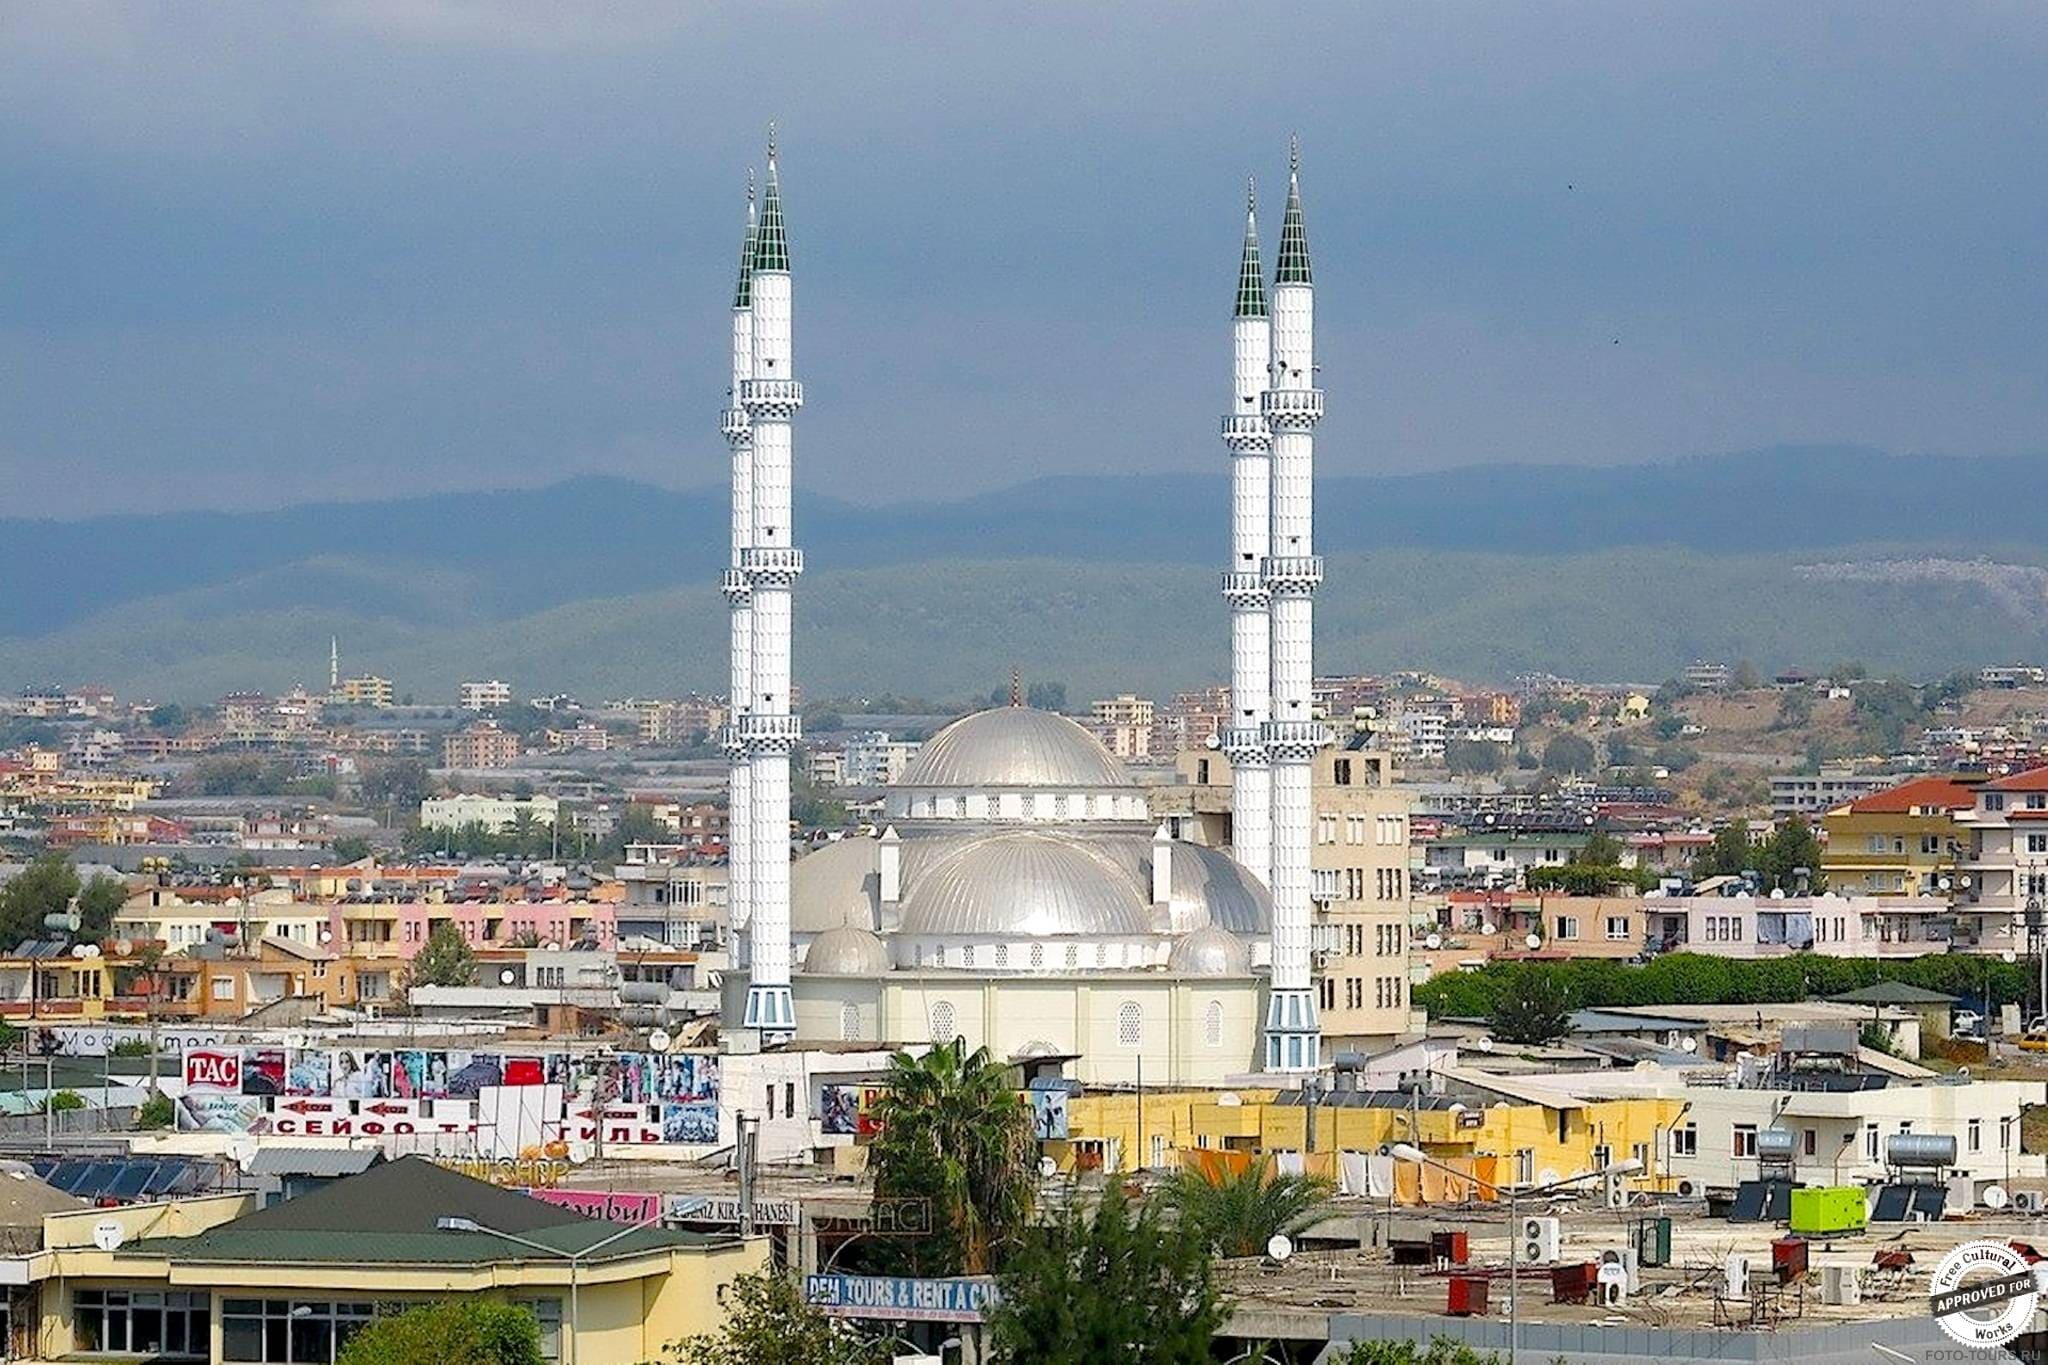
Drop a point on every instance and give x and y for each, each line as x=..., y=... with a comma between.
x=1903, y=841
x=680, y=720
x=486, y=744
x=1774, y=926
x=484, y=696
x=368, y=690
x=1359, y=872
x=1124, y=725
x=872, y=759
x=675, y=897
x=495, y=813
x=1190, y=719
x=2002, y=878
x=1815, y=793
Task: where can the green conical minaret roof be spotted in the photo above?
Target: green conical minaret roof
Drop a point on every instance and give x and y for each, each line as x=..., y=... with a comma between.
x=1293, y=264
x=771, y=243
x=1251, y=274
x=743, y=295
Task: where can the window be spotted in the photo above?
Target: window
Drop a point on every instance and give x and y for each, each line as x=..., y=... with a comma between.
x=967, y=956
x=2037, y=800
x=279, y=1330
x=849, y=1022
x=1343, y=773
x=1811, y=1142
x=1617, y=927
x=1641, y=1152
x=548, y=1313
x=2037, y=843
x=223, y=988
x=1525, y=1166
x=943, y=1030
x=2005, y=1134
x=1742, y=1141
x=137, y=1321
x=1073, y=955
x=1212, y=1023
x=1976, y=1135
x=1603, y=1156
x=1686, y=1141
x=1130, y=1024
x=1002, y=955
x=1037, y=956
x=1567, y=927
x=1870, y=1142
x=1994, y=801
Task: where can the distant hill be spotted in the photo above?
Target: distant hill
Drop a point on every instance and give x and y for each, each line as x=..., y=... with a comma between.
x=603, y=586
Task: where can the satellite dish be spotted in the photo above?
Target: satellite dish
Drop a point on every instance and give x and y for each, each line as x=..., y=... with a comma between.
x=2010, y=956
x=1280, y=1246
x=507, y=977
x=1488, y=928
x=659, y=1040
x=123, y=947
x=107, y=1234
x=579, y=1153
x=1534, y=941
x=1048, y=1168
x=89, y=950
x=1485, y=1044
x=1995, y=1197
x=1688, y=1044
x=1434, y=941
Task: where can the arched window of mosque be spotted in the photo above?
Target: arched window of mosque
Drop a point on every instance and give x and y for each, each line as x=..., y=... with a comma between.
x=1037, y=956
x=943, y=1023
x=849, y=1022
x=967, y=956
x=1102, y=954
x=1002, y=955
x=1212, y=1023
x=1059, y=806
x=1130, y=1024
x=1073, y=955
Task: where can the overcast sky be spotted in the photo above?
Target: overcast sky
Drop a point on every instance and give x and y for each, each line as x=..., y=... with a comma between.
x=256, y=254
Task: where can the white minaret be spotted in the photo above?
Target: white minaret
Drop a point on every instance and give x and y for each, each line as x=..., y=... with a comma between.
x=771, y=562
x=1292, y=405
x=1244, y=585
x=739, y=438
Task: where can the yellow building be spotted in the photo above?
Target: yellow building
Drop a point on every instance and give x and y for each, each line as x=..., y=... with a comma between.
x=368, y=690
x=1900, y=842
x=1531, y=1140
x=217, y=1280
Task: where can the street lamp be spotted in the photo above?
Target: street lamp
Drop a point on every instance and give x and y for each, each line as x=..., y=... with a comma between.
x=1402, y=1151
x=451, y=1223
x=2040, y=930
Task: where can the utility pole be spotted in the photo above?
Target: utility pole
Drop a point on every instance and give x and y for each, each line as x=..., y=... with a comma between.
x=746, y=1137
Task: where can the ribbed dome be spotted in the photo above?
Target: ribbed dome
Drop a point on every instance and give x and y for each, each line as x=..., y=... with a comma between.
x=847, y=951
x=1024, y=883
x=1014, y=746
x=1210, y=951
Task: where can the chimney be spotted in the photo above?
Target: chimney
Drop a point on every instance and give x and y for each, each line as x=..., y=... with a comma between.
x=1162, y=866
x=889, y=866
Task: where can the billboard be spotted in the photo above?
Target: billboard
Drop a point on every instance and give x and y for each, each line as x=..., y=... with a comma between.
x=895, y=1298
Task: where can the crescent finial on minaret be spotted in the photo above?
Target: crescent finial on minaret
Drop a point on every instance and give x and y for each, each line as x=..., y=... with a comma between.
x=1251, y=194
x=1293, y=153
x=771, y=142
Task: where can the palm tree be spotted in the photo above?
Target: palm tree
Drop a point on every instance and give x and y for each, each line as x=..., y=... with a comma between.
x=956, y=1133
x=1241, y=1211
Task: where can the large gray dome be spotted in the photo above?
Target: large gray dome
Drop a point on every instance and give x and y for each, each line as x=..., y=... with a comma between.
x=1014, y=746
x=1025, y=883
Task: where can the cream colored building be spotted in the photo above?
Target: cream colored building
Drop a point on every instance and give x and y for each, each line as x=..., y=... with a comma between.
x=1124, y=724
x=1358, y=862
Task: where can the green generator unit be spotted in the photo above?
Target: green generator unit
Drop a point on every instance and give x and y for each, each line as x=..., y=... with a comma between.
x=1829, y=1209
x=1653, y=1241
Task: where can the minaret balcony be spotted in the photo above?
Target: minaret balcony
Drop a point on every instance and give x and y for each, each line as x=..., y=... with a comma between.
x=730, y=742
x=773, y=398
x=771, y=566
x=762, y=734
x=1291, y=409
x=1246, y=434
x=1291, y=573
x=736, y=586
x=1246, y=591
x=1244, y=746
x=1294, y=740
x=733, y=424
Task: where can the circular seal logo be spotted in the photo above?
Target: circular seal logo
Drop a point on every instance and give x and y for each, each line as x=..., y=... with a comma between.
x=1983, y=1293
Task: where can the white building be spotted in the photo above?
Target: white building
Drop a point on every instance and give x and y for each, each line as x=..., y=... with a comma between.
x=1818, y=793
x=496, y=813
x=872, y=759
x=485, y=696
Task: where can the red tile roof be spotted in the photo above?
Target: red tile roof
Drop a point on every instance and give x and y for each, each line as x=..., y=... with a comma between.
x=1920, y=793
x=2032, y=780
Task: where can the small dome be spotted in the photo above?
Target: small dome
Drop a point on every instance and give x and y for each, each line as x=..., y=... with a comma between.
x=1025, y=883
x=847, y=951
x=1014, y=746
x=1210, y=951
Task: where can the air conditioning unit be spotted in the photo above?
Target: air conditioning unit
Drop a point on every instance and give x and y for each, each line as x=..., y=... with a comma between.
x=1541, y=1240
x=1630, y=1263
x=1737, y=1269
x=1686, y=1189
x=2029, y=1201
x=1841, y=1285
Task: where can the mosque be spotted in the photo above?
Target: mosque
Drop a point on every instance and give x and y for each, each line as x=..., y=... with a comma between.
x=1019, y=895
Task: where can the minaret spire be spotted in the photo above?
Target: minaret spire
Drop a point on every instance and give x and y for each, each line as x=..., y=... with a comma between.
x=770, y=564
x=1292, y=406
x=1246, y=437
x=739, y=437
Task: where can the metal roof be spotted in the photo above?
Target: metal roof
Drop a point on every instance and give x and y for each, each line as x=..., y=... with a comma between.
x=317, y=1162
x=1014, y=746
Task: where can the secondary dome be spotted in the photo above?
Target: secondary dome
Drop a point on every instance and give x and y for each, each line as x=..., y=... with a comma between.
x=1024, y=884
x=1014, y=746
x=847, y=951
x=1210, y=951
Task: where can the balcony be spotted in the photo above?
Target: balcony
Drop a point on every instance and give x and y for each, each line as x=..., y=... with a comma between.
x=773, y=397
x=757, y=560
x=1292, y=573
x=780, y=729
x=1291, y=407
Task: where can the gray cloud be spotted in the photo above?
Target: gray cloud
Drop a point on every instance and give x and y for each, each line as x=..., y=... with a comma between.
x=257, y=254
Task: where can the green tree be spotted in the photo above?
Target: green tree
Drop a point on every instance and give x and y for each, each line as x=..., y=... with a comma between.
x=473, y=1330
x=169, y=716
x=98, y=903
x=1472, y=757
x=1115, y=1284
x=64, y=1102
x=45, y=887
x=1601, y=850
x=1668, y=726
x=1795, y=709
x=1534, y=1006
x=351, y=849
x=1569, y=754
x=399, y=785
x=156, y=1112
x=1792, y=847
x=767, y=1322
x=1239, y=1213
x=1046, y=696
x=955, y=1132
x=1745, y=678
x=1403, y=1351
x=444, y=959
x=1729, y=855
